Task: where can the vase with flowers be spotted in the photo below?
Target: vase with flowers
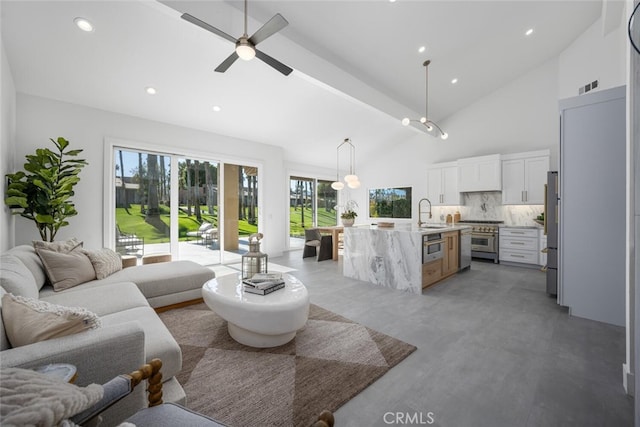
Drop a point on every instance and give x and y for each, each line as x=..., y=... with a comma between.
x=348, y=217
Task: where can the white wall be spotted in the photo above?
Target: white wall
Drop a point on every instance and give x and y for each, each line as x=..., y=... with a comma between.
x=593, y=56
x=7, y=138
x=39, y=119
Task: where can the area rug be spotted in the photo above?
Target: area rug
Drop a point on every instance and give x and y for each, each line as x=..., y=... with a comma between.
x=330, y=360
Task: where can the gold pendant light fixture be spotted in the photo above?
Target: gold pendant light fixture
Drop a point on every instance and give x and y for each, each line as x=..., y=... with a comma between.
x=430, y=125
x=351, y=178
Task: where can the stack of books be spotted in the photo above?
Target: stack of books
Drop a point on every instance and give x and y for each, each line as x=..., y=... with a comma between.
x=263, y=283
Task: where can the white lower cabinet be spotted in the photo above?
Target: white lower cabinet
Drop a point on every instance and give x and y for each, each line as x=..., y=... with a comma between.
x=521, y=245
x=543, y=246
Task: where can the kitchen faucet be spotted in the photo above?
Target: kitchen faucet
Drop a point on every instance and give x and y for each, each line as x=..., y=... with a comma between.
x=420, y=211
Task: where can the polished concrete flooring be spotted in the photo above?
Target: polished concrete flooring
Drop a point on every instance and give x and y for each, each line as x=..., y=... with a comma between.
x=493, y=350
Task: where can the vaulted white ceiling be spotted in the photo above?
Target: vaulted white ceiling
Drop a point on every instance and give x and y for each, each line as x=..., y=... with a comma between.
x=357, y=66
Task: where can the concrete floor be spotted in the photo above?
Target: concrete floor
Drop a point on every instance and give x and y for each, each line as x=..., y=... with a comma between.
x=493, y=350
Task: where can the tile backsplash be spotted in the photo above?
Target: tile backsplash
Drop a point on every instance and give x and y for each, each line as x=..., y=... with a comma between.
x=488, y=206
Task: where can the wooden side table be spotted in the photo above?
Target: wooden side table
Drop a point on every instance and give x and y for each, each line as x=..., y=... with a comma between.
x=155, y=258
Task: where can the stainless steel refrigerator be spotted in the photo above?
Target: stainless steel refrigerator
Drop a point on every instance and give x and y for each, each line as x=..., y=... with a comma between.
x=551, y=230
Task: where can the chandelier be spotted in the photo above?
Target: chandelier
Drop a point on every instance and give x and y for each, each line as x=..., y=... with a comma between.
x=351, y=179
x=430, y=125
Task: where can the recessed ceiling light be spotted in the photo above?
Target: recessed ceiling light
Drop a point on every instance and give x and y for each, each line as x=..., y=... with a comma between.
x=216, y=108
x=529, y=32
x=83, y=24
x=151, y=90
x=422, y=49
x=454, y=81
x=392, y=1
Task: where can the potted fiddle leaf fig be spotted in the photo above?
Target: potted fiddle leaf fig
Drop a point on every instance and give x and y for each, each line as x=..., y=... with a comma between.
x=42, y=192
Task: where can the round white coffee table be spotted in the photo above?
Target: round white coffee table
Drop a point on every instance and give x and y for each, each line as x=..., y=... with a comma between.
x=258, y=320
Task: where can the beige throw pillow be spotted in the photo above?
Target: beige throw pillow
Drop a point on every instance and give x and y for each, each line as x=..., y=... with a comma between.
x=27, y=320
x=64, y=247
x=105, y=262
x=66, y=270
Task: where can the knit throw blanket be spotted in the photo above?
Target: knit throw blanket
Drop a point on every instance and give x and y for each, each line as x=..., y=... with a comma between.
x=31, y=398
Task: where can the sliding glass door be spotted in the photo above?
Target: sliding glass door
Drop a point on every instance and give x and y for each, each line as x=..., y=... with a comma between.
x=142, y=200
x=311, y=204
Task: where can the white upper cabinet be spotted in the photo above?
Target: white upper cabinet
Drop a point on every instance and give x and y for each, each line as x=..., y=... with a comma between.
x=523, y=178
x=480, y=174
x=442, y=184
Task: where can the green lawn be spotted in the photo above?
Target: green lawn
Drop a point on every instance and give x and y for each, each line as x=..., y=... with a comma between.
x=134, y=222
x=325, y=219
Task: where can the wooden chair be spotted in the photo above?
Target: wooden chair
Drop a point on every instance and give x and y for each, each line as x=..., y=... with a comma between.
x=316, y=243
x=159, y=414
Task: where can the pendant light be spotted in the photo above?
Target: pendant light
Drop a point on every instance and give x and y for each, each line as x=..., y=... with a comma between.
x=430, y=125
x=351, y=178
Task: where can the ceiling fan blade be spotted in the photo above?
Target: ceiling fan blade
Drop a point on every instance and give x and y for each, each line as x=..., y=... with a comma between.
x=272, y=26
x=207, y=27
x=227, y=62
x=273, y=62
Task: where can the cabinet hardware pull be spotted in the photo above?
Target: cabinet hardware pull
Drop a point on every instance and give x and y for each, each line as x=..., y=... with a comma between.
x=517, y=243
x=517, y=256
x=543, y=268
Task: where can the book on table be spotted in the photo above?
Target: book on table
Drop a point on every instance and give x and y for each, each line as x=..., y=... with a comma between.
x=262, y=284
x=263, y=277
x=265, y=291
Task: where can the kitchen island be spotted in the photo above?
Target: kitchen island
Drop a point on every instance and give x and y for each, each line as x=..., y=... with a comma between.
x=393, y=257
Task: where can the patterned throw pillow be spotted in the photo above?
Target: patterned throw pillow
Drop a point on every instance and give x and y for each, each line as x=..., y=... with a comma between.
x=28, y=320
x=105, y=262
x=66, y=270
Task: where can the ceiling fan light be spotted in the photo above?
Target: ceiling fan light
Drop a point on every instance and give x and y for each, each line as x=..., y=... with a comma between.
x=406, y=121
x=245, y=52
x=354, y=184
x=337, y=185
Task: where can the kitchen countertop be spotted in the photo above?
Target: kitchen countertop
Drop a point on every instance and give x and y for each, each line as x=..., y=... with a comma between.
x=411, y=228
x=537, y=227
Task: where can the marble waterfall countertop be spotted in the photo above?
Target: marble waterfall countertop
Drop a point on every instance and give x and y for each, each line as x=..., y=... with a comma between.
x=388, y=256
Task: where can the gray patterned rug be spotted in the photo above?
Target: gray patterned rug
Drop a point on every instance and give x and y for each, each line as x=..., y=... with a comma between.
x=331, y=360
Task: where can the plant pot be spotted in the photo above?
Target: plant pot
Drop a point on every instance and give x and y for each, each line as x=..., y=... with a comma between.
x=348, y=222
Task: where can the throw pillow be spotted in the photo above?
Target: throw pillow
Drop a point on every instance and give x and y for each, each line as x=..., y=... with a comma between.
x=32, y=398
x=105, y=262
x=28, y=320
x=66, y=270
x=64, y=247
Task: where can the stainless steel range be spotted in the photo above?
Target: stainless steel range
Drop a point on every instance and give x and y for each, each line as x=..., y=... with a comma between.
x=484, y=238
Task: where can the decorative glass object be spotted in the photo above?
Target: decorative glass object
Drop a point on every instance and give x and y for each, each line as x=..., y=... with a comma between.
x=254, y=261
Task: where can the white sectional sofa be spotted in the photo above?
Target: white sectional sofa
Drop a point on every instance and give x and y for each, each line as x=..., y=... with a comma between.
x=131, y=333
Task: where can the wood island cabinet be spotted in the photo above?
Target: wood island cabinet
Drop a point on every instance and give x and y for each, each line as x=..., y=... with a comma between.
x=451, y=253
x=431, y=273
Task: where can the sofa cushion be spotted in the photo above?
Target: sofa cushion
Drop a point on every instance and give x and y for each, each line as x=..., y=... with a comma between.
x=164, y=278
x=28, y=320
x=4, y=341
x=27, y=254
x=105, y=261
x=158, y=341
x=16, y=278
x=66, y=270
x=97, y=297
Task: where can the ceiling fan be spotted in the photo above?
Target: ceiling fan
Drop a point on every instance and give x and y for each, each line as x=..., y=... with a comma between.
x=245, y=45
